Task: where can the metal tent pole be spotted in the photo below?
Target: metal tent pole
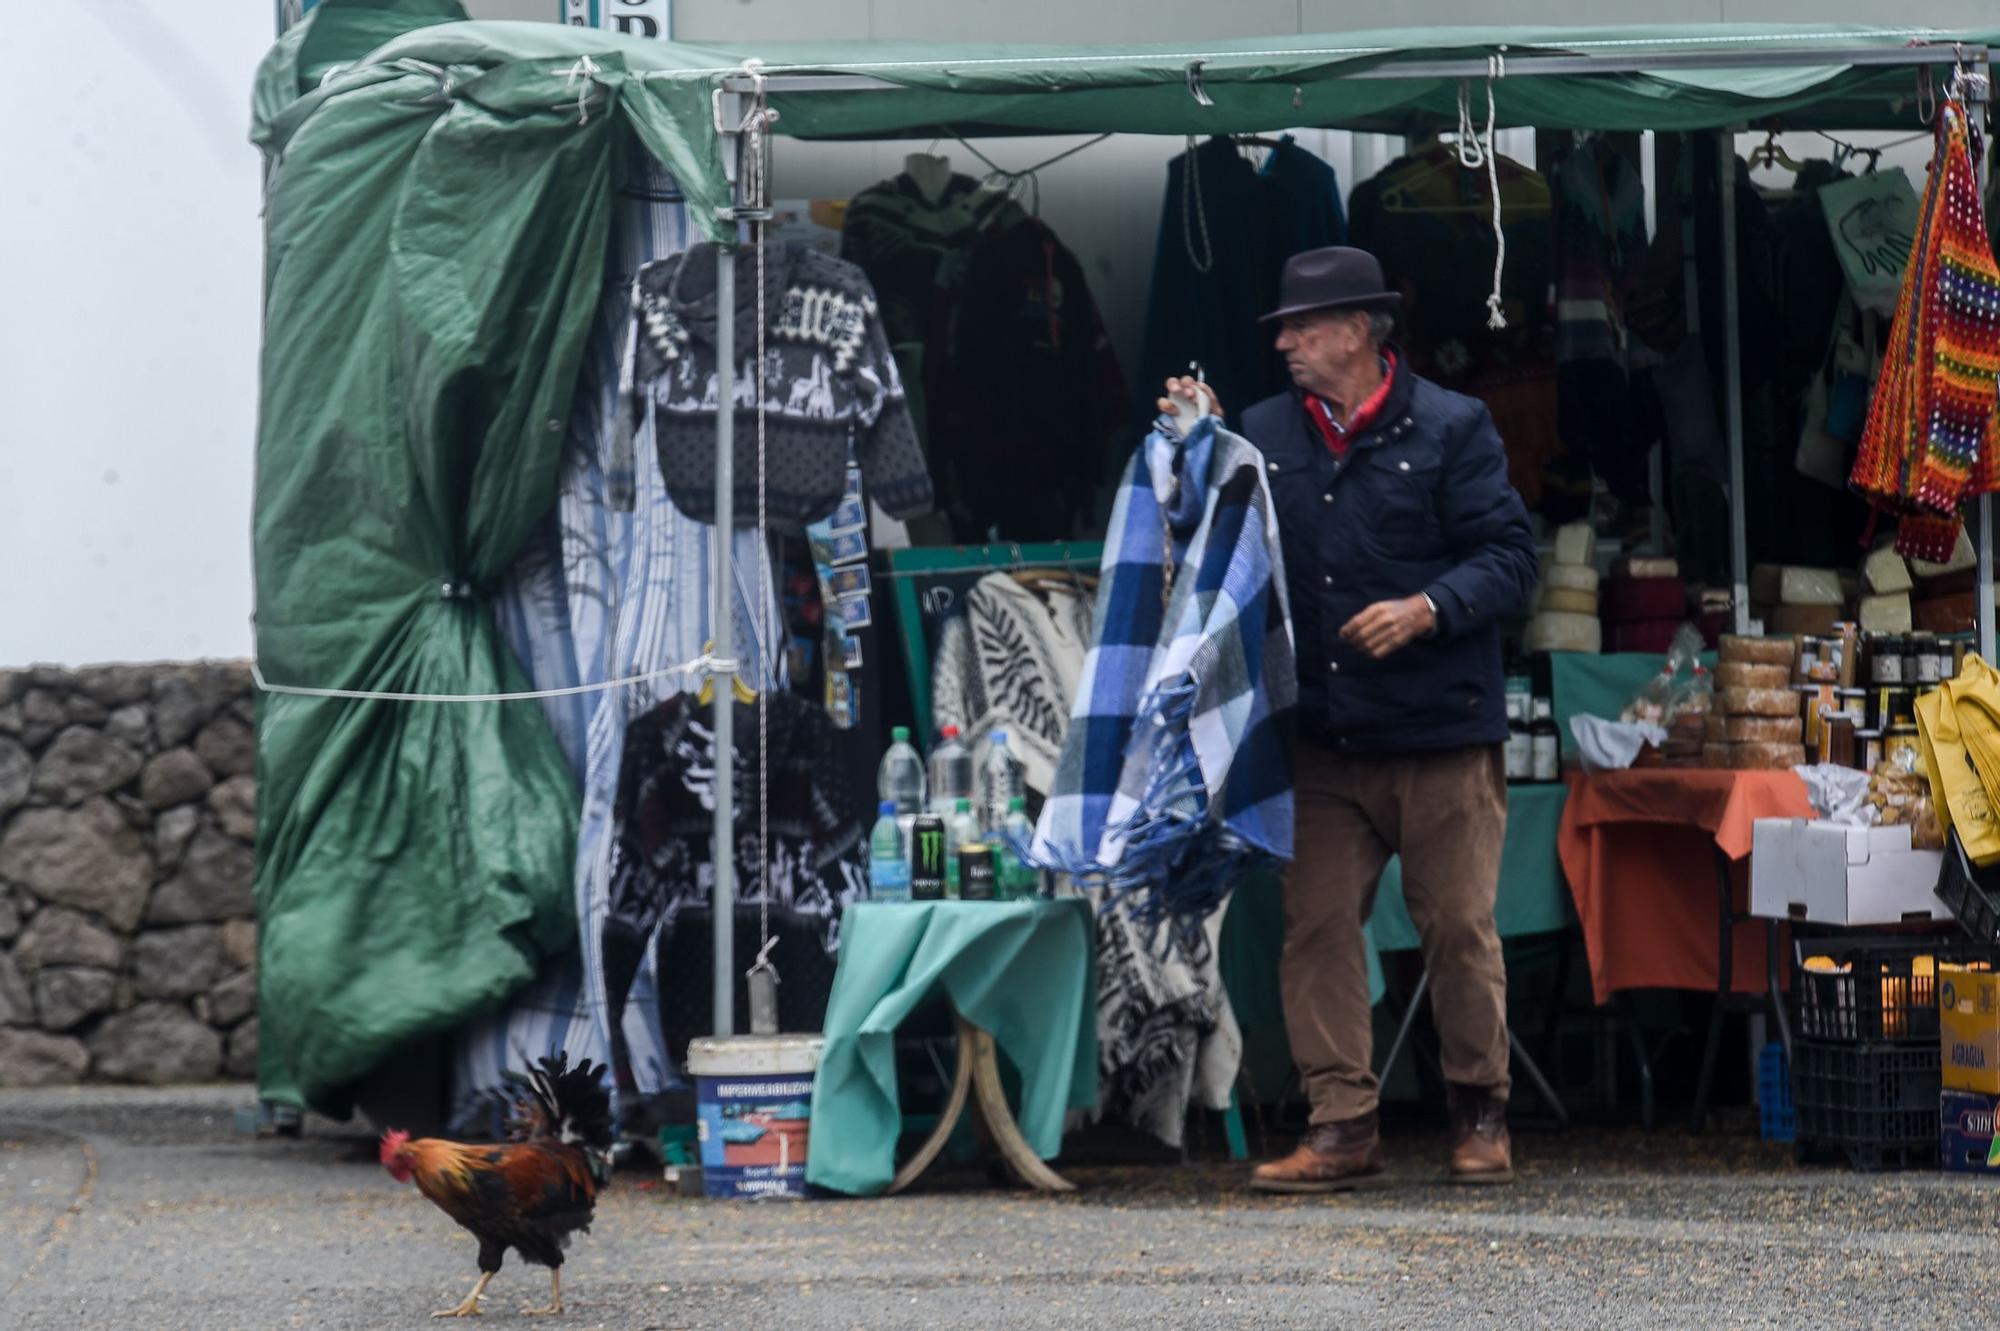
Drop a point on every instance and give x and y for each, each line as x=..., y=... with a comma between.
x=1732, y=373
x=723, y=850
x=1977, y=98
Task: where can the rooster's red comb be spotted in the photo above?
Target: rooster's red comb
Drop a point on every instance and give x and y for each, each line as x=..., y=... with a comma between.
x=393, y=1141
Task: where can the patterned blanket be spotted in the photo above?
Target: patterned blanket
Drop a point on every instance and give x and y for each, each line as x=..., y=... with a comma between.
x=1175, y=775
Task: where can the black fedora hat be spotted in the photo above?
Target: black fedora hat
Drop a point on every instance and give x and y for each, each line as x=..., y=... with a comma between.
x=1335, y=278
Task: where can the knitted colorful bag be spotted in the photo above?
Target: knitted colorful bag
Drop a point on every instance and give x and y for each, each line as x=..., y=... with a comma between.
x=1929, y=444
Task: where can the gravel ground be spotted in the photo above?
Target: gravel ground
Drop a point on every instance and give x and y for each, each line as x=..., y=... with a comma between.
x=144, y=1209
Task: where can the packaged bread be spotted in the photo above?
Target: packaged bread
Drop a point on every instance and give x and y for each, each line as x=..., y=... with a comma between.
x=1763, y=757
x=1748, y=675
x=1721, y=756
x=1762, y=729
x=1758, y=702
x=1757, y=651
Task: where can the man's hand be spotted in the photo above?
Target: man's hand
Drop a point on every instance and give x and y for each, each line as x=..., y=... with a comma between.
x=1189, y=390
x=1389, y=626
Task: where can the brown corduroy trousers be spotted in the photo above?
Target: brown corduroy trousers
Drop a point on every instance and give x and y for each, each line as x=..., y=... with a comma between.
x=1445, y=813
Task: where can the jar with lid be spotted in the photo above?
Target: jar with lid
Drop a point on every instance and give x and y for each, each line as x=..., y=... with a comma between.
x=1930, y=668
x=1544, y=742
x=1885, y=659
x=1519, y=752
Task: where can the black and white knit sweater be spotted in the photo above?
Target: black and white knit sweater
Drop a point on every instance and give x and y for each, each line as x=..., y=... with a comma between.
x=827, y=378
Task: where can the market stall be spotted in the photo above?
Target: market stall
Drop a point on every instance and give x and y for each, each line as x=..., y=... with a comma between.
x=467, y=299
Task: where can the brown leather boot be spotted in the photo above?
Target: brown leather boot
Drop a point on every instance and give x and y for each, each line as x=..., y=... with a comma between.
x=1480, y=1149
x=1333, y=1157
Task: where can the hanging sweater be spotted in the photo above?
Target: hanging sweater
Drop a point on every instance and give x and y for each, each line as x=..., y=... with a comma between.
x=662, y=859
x=827, y=380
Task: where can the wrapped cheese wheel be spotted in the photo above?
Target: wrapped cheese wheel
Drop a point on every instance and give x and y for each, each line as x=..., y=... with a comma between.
x=1747, y=675
x=1560, y=631
x=1762, y=729
x=1718, y=755
x=1761, y=757
x=1715, y=728
x=1567, y=600
x=1758, y=702
x=1757, y=651
x=1570, y=577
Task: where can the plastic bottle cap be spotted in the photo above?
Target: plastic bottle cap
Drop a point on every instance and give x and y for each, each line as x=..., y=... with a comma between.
x=1017, y=805
x=965, y=806
x=887, y=809
x=898, y=734
x=950, y=732
x=999, y=736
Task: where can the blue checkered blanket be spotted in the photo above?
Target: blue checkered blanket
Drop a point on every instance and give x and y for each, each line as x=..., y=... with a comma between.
x=1175, y=776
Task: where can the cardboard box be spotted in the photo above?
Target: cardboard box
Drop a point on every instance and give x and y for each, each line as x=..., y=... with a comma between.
x=1969, y=1029
x=1965, y=1132
x=1829, y=874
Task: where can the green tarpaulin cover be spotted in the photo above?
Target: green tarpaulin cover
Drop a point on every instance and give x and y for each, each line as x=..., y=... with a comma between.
x=437, y=210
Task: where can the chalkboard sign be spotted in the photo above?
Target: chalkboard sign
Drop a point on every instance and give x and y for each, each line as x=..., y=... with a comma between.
x=930, y=584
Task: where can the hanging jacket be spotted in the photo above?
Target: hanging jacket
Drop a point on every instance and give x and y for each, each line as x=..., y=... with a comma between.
x=1419, y=504
x=1035, y=392
x=1221, y=250
x=828, y=379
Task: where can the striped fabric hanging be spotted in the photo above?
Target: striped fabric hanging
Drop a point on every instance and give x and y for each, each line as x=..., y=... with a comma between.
x=1933, y=426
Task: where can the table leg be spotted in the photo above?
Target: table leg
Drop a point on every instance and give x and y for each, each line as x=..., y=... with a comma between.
x=1403, y=1031
x=978, y=1079
x=1772, y=962
x=1725, y=952
x=1534, y=1072
x=1629, y=1019
x=954, y=1109
x=992, y=1100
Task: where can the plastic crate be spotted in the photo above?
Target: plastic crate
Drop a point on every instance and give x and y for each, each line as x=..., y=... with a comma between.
x=1886, y=992
x=1972, y=893
x=1877, y=1104
x=1774, y=1094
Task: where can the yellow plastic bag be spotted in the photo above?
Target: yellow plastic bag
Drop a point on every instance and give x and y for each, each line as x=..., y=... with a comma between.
x=1958, y=728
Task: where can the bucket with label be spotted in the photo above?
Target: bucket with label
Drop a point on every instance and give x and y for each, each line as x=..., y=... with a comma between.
x=753, y=1109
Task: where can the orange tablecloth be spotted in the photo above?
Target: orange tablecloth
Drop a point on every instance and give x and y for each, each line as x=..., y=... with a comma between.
x=1638, y=849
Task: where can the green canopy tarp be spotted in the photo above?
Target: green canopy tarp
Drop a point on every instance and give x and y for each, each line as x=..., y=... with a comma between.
x=438, y=196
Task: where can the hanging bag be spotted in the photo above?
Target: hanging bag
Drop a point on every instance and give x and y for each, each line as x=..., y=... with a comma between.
x=1926, y=447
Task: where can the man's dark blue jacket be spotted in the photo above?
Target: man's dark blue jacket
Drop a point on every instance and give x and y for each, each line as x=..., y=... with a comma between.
x=1420, y=503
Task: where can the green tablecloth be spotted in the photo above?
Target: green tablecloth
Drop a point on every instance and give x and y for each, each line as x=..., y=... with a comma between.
x=1532, y=899
x=1021, y=971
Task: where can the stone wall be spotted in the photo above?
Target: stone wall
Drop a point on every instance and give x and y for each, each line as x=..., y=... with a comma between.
x=128, y=936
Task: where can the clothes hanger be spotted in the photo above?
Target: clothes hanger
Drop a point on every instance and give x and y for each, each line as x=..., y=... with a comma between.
x=705, y=695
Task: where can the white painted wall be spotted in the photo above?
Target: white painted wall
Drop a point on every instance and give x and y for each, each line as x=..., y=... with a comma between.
x=129, y=306
x=129, y=261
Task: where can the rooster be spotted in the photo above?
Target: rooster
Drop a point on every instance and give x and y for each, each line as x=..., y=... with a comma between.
x=529, y=1194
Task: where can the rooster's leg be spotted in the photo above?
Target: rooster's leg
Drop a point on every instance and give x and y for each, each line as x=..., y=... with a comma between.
x=470, y=1308
x=555, y=1296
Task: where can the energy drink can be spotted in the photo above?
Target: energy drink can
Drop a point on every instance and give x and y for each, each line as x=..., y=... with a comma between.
x=927, y=858
x=975, y=873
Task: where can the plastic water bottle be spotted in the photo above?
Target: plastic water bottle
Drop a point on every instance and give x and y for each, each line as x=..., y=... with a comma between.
x=888, y=858
x=951, y=773
x=900, y=778
x=961, y=829
x=1018, y=880
x=1002, y=781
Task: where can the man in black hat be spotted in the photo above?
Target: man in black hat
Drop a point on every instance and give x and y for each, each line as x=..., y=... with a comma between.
x=1404, y=548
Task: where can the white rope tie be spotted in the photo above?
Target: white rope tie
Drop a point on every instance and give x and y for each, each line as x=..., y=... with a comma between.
x=1475, y=151
x=1193, y=214
x=705, y=664
x=586, y=71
